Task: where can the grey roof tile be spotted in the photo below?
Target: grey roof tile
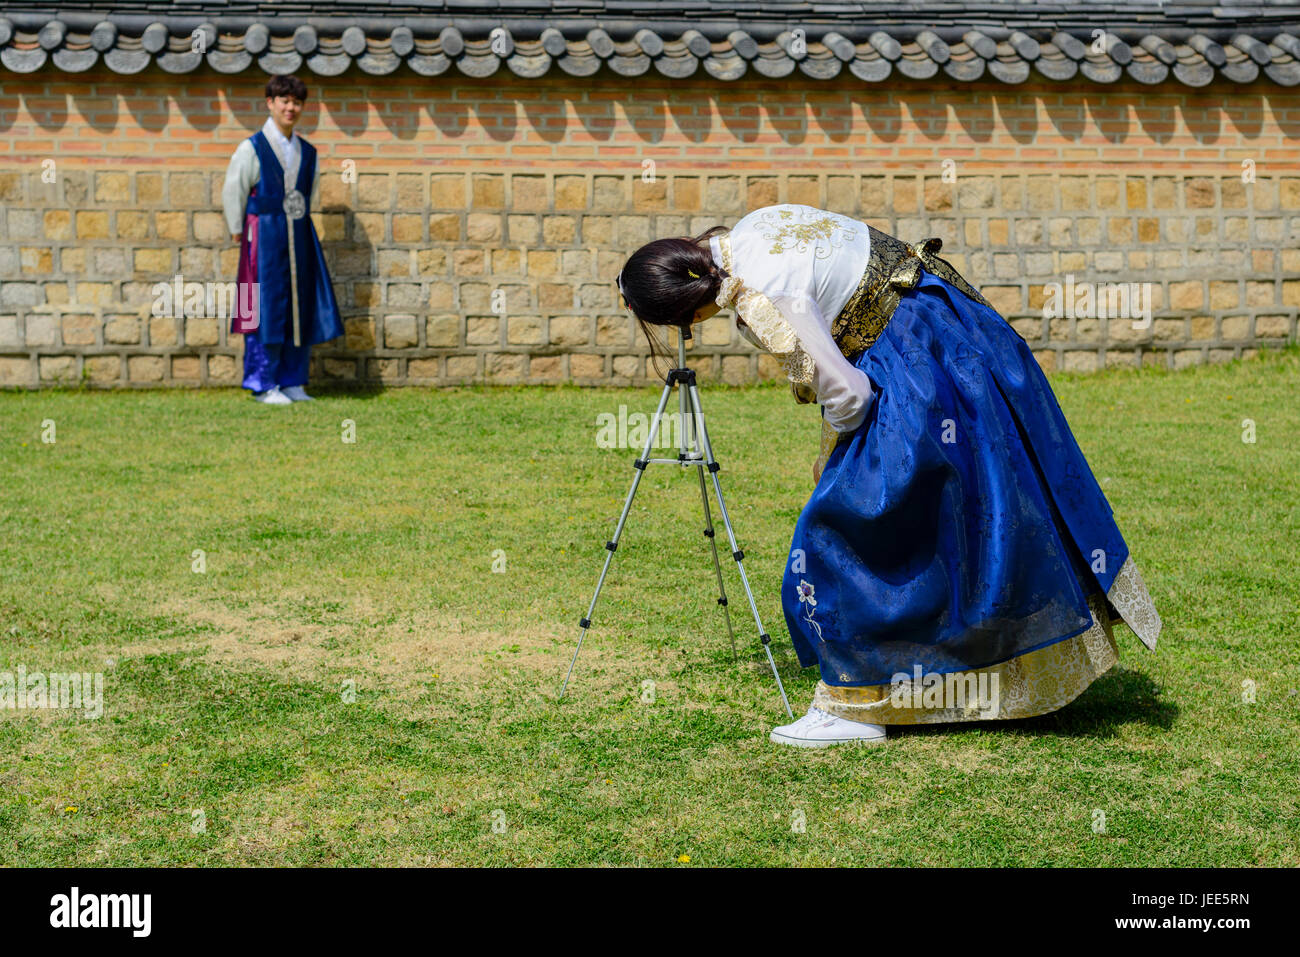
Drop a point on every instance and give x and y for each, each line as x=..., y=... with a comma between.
x=1009, y=40
x=873, y=70
x=1013, y=71
x=1026, y=47
x=1055, y=65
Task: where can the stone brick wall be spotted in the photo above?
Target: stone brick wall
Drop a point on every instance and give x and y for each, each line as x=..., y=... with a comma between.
x=479, y=237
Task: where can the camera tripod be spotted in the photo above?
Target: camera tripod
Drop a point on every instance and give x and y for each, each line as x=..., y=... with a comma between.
x=693, y=449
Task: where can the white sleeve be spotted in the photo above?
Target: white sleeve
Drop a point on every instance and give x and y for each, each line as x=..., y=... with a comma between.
x=315, y=187
x=843, y=389
x=241, y=176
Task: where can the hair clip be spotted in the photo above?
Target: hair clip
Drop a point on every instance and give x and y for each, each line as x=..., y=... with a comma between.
x=693, y=274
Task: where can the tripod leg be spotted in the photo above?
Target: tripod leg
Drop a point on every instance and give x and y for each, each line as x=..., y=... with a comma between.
x=736, y=553
x=612, y=544
x=688, y=443
x=717, y=565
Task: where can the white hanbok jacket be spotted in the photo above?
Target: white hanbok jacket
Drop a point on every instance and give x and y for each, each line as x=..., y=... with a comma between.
x=792, y=268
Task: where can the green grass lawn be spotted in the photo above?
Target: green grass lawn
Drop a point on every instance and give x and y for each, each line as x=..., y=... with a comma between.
x=369, y=566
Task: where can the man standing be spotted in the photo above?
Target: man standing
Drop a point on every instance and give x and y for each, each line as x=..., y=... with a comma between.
x=267, y=195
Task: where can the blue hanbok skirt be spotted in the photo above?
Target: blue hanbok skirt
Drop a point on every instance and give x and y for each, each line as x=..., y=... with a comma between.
x=959, y=528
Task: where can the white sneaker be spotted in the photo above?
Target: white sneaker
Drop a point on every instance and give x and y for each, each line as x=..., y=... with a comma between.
x=297, y=393
x=820, y=729
x=273, y=396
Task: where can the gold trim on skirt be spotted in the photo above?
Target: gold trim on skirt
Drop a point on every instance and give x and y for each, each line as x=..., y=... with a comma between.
x=1031, y=684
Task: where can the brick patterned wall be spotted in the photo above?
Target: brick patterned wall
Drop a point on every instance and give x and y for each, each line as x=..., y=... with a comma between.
x=536, y=192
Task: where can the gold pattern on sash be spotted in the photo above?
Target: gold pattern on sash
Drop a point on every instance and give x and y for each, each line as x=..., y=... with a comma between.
x=803, y=394
x=893, y=267
x=830, y=439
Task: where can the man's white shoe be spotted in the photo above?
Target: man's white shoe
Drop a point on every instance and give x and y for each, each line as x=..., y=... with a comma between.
x=820, y=729
x=297, y=393
x=273, y=396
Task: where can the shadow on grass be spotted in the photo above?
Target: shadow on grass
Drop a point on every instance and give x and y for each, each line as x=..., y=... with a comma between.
x=1115, y=699
x=352, y=390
